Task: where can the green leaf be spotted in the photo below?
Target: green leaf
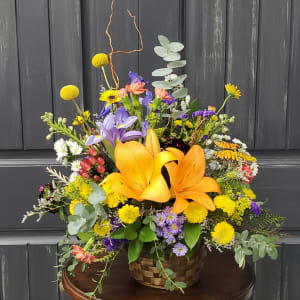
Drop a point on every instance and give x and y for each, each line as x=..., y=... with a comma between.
x=262, y=250
x=134, y=250
x=172, y=56
x=110, y=149
x=272, y=252
x=98, y=196
x=168, y=284
x=191, y=234
x=244, y=235
x=118, y=234
x=194, y=105
x=99, y=288
x=181, y=93
x=162, y=72
x=160, y=51
x=83, y=267
x=147, y=235
x=100, y=211
x=89, y=294
x=162, y=84
x=170, y=273
x=176, y=64
x=75, y=224
x=164, y=41
x=61, y=213
x=130, y=232
x=152, y=226
x=158, y=266
x=180, y=284
x=180, y=79
x=71, y=268
x=85, y=236
x=176, y=46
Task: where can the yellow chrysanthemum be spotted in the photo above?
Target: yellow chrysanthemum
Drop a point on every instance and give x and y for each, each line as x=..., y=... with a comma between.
x=226, y=145
x=128, y=213
x=241, y=205
x=195, y=213
x=178, y=123
x=233, y=91
x=223, y=233
x=69, y=92
x=113, y=199
x=100, y=60
x=225, y=203
x=227, y=154
x=102, y=229
x=110, y=96
x=72, y=206
x=188, y=124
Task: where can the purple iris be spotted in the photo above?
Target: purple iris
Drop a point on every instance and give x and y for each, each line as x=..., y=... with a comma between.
x=113, y=129
x=134, y=77
x=255, y=208
x=104, y=111
x=145, y=101
x=145, y=126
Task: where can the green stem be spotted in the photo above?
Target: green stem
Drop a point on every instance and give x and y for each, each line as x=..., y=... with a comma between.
x=220, y=109
x=163, y=269
x=105, y=77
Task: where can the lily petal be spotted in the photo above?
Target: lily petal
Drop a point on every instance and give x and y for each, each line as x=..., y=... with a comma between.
x=157, y=190
x=178, y=153
x=201, y=198
x=152, y=142
x=206, y=185
x=160, y=160
x=180, y=204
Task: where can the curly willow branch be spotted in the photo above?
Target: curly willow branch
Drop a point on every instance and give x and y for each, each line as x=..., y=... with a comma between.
x=113, y=71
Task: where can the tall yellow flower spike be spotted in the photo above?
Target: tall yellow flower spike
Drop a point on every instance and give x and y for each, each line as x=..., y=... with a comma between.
x=188, y=181
x=140, y=170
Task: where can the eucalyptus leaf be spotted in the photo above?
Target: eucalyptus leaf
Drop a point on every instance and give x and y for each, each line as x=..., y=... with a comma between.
x=171, y=56
x=75, y=225
x=180, y=79
x=160, y=51
x=164, y=41
x=176, y=64
x=97, y=197
x=176, y=46
x=272, y=252
x=162, y=72
x=181, y=93
x=162, y=84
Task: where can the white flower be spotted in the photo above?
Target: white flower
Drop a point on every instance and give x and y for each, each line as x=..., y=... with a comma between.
x=208, y=142
x=208, y=153
x=214, y=165
x=61, y=149
x=183, y=105
x=187, y=99
x=75, y=165
x=237, y=141
x=254, y=168
x=74, y=147
x=73, y=176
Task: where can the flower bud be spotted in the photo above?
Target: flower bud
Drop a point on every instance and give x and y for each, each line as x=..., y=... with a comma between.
x=49, y=136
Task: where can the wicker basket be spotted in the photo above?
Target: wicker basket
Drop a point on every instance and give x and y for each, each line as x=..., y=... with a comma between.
x=145, y=272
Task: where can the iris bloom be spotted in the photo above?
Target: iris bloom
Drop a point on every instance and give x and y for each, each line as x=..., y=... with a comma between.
x=113, y=129
x=140, y=170
x=188, y=181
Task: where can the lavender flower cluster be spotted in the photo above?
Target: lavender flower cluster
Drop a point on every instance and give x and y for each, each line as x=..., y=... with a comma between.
x=170, y=228
x=113, y=244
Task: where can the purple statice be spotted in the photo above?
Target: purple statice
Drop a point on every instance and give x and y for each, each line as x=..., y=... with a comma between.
x=112, y=244
x=175, y=228
x=184, y=116
x=197, y=113
x=160, y=219
x=169, y=100
x=208, y=113
x=180, y=249
x=255, y=208
x=205, y=137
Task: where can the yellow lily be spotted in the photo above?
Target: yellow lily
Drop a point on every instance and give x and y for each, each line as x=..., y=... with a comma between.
x=140, y=170
x=188, y=181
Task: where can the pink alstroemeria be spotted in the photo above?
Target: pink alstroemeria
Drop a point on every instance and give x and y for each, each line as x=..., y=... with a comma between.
x=81, y=255
x=136, y=88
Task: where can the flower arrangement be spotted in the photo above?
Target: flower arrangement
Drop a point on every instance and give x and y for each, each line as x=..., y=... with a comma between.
x=154, y=173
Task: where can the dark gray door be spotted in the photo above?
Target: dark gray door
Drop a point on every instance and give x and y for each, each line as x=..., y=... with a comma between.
x=45, y=44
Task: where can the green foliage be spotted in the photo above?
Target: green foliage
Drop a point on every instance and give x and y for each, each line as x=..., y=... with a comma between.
x=131, y=230
x=147, y=235
x=134, y=250
x=256, y=245
x=98, y=196
x=118, y=234
x=192, y=234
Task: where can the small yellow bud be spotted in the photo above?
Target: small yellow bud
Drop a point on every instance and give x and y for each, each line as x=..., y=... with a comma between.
x=100, y=60
x=69, y=92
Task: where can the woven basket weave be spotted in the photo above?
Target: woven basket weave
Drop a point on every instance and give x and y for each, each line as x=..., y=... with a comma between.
x=144, y=271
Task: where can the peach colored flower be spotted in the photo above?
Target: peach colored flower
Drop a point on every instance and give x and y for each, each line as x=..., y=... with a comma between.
x=122, y=93
x=136, y=88
x=162, y=93
x=81, y=255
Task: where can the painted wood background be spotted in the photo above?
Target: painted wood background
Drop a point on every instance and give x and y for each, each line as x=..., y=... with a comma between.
x=45, y=44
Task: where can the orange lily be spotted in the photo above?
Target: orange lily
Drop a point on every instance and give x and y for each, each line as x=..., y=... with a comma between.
x=188, y=181
x=140, y=170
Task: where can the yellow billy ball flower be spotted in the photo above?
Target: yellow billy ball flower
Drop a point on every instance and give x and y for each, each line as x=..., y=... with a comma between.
x=195, y=213
x=100, y=60
x=233, y=91
x=69, y=92
x=72, y=206
x=225, y=203
x=128, y=213
x=110, y=96
x=102, y=229
x=223, y=233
